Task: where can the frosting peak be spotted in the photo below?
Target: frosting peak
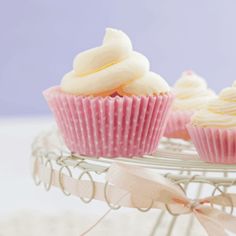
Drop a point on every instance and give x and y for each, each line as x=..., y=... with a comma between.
x=116, y=47
x=112, y=67
x=114, y=36
x=189, y=79
x=191, y=92
x=220, y=112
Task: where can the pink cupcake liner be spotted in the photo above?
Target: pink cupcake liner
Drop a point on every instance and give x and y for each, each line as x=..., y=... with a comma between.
x=110, y=126
x=176, y=125
x=214, y=144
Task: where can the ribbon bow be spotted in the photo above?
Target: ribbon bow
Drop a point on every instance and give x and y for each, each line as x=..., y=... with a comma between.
x=149, y=189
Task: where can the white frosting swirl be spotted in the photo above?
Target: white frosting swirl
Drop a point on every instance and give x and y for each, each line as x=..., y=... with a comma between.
x=150, y=84
x=116, y=47
x=113, y=67
x=191, y=92
x=220, y=112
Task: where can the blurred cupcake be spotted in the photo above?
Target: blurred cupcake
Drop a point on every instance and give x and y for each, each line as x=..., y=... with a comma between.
x=213, y=130
x=191, y=95
x=110, y=104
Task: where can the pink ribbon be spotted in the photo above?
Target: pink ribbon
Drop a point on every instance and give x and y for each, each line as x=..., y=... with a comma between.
x=133, y=186
x=145, y=184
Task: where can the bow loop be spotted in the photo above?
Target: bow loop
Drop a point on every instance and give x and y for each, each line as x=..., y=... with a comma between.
x=147, y=184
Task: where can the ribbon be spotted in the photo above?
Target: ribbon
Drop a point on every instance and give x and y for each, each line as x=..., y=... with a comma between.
x=139, y=187
x=148, y=184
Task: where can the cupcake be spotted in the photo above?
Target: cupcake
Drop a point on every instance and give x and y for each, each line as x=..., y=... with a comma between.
x=191, y=94
x=213, y=129
x=111, y=104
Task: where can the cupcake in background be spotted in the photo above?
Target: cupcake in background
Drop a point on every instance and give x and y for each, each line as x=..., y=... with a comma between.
x=213, y=129
x=111, y=104
x=191, y=95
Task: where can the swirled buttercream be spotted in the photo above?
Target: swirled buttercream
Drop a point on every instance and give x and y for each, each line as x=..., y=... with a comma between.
x=191, y=92
x=112, y=67
x=220, y=112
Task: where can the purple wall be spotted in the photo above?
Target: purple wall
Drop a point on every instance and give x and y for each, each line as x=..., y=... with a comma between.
x=39, y=39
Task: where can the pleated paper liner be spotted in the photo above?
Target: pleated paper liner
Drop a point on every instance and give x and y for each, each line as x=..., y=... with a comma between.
x=214, y=145
x=176, y=125
x=110, y=126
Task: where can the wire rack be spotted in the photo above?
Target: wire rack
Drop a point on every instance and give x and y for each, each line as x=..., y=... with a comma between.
x=175, y=159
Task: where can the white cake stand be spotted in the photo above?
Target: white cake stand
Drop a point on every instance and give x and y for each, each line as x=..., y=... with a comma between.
x=175, y=159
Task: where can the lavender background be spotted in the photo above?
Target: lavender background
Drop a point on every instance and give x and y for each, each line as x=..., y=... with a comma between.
x=39, y=39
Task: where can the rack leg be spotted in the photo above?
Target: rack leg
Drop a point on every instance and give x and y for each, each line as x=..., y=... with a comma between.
x=198, y=194
x=158, y=222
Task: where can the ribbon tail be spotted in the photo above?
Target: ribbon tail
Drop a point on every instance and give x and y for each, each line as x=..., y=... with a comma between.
x=228, y=199
x=215, y=222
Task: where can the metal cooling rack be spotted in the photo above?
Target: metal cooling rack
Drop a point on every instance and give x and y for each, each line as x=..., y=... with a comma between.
x=177, y=160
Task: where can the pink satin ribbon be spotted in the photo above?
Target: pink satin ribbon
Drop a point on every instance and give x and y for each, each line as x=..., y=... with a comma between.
x=133, y=186
x=147, y=184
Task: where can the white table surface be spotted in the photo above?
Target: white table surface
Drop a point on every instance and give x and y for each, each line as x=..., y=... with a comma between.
x=19, y=195
x=17, y=188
